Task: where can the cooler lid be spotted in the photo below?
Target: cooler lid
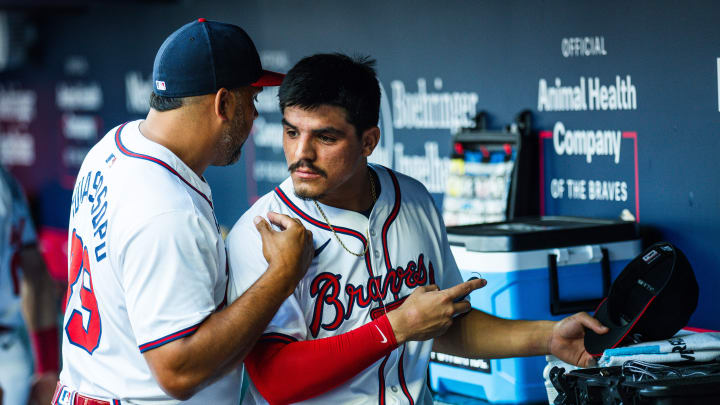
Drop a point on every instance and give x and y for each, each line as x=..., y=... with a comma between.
x=535, y=233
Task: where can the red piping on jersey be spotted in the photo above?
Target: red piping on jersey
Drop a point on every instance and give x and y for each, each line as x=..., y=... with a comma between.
x=277, y=337
x=130, y=153
x=388, y=265
x=322, y=225
x=314, y=221
x=401, y=374
x=390, y=219
x=223, y=304
x=381, y=378
x=167, y=339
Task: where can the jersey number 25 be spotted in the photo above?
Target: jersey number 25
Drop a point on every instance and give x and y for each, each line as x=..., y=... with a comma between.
x=79, y=272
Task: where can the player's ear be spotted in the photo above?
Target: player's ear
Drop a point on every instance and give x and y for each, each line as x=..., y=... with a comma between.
x=369, y=140
x=221, y=104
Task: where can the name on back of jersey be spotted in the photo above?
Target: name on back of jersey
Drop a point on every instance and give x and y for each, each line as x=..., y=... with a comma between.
x=91, y=192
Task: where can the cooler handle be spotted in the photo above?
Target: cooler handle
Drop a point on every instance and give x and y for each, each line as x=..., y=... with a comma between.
x=558, y=307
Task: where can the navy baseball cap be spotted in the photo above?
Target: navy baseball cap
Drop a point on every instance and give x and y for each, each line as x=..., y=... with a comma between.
x=204, y=56
x=652, y=298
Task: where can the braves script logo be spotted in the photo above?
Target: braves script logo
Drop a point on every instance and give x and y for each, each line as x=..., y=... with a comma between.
x=325, y=288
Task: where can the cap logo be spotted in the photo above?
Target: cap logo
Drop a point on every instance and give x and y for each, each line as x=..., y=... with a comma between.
x=159, y=84
x=650, y=256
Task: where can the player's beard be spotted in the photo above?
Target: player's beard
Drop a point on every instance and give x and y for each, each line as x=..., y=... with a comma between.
x=233, y=138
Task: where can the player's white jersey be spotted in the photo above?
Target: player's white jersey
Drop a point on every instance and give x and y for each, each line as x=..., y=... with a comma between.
x=16, y=231
x=407, y=248
x=146, y=266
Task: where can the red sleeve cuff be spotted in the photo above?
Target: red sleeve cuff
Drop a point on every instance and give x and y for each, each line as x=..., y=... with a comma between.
x=385, y=328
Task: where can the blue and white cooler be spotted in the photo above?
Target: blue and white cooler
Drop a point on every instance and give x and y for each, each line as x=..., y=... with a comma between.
x=536, y=268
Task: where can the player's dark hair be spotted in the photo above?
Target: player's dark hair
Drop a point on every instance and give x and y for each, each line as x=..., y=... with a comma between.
x=162, y=103
x=337, y=80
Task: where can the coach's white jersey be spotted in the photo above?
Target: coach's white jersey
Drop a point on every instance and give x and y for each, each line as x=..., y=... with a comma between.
x=407, y=248
x=146, y=266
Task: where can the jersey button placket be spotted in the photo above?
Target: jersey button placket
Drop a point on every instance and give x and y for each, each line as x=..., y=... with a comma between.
x=372, y=246
x=393, y=398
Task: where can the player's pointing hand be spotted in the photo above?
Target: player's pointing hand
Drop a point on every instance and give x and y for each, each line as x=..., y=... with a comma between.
x=288, y=251
x=429, y=312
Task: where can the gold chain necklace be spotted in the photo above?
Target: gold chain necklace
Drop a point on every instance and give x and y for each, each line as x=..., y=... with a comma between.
x=367, y=237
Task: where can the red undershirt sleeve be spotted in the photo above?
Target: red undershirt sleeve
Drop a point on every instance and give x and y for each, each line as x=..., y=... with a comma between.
x=286, y=371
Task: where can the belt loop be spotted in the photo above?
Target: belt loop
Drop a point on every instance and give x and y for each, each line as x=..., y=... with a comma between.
x=58, y=389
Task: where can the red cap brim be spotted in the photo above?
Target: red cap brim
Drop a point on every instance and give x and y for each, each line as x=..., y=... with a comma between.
x=268, y=78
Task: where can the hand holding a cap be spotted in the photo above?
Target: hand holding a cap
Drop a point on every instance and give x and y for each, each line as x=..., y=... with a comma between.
x=567, y=340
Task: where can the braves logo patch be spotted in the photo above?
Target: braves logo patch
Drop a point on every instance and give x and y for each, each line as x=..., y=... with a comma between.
x=327, y=290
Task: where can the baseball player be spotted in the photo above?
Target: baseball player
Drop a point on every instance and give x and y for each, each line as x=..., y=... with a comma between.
x=360, y=325
x=146, y=321
x=25, y=289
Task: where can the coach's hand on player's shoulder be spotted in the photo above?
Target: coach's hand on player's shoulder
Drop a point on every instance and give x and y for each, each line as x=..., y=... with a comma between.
x=428, y=312
x=289, y=250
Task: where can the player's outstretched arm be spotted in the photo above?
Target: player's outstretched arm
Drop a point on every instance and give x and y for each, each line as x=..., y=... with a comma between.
x=223, y=340
x=40, y=309
x=481, y=335
x=302, y=368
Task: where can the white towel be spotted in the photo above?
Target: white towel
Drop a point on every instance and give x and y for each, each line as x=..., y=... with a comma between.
x=702, y=346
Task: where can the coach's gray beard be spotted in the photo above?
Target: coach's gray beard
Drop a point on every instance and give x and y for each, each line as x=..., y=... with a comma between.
x=231, y=143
